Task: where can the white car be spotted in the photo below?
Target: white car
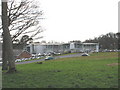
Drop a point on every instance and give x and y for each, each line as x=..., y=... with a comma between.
x=18, y=60
x=39, y=54
x=57, y=53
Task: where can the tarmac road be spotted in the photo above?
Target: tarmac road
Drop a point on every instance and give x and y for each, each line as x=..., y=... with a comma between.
x=64, y=56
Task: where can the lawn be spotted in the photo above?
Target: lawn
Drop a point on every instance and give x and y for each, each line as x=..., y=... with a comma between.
x=100, y=70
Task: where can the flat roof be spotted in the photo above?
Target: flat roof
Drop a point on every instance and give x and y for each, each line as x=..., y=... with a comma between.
x=90, y=43
x=62, y=43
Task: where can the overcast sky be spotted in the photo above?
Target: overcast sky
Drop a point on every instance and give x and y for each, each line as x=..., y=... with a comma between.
x=68, y=20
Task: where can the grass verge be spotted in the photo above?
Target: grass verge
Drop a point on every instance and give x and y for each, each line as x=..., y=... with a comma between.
x=76, y=72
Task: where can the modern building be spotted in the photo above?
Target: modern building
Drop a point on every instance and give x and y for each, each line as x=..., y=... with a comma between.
x=36, y=48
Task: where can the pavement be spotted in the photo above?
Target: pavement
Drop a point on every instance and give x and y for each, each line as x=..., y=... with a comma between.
x=64, y=56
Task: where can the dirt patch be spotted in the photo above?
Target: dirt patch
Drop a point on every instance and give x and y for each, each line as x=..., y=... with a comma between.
x=113, y=64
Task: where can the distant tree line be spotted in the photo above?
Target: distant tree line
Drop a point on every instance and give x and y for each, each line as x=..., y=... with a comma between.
x=107, y=41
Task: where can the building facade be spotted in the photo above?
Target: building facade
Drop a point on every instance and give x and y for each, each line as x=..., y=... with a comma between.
x=64, y=47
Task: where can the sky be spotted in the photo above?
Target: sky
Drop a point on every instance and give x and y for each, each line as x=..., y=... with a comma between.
x=67, y=20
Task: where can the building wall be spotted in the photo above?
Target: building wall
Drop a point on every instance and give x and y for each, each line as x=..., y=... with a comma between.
x=30, y=48
x=39, y=49
x=91, y=47
x=97, y=48
x=78, y=47
x=73, y=47
x=52, y=48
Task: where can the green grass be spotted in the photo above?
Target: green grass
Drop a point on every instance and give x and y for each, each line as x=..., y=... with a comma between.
x=76, y=72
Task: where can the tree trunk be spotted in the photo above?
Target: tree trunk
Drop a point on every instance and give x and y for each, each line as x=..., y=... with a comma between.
x=118, y=34
x=8, y=54
x=4, y=57
x=4, y=51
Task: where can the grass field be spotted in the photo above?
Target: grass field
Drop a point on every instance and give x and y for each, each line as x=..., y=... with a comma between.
x=100, y=70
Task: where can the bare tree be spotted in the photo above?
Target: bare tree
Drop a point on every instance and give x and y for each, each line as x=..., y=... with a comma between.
x=8, y=55
x=23, y=18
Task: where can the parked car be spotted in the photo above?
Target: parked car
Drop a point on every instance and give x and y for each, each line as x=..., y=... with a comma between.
x=33, y=55
x=18, y=60
x=85, y=54
x=57, y=53
x=44, y=54
x=49, y=58
x=0, y=62
x=39, y=54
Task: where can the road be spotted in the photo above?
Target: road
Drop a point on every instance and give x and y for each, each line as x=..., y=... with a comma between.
x=64, y=56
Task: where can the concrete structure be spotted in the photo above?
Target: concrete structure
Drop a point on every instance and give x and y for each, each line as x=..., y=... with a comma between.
x=64, y=47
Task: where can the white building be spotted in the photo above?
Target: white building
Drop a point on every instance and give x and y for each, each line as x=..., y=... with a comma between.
x=36, y=48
